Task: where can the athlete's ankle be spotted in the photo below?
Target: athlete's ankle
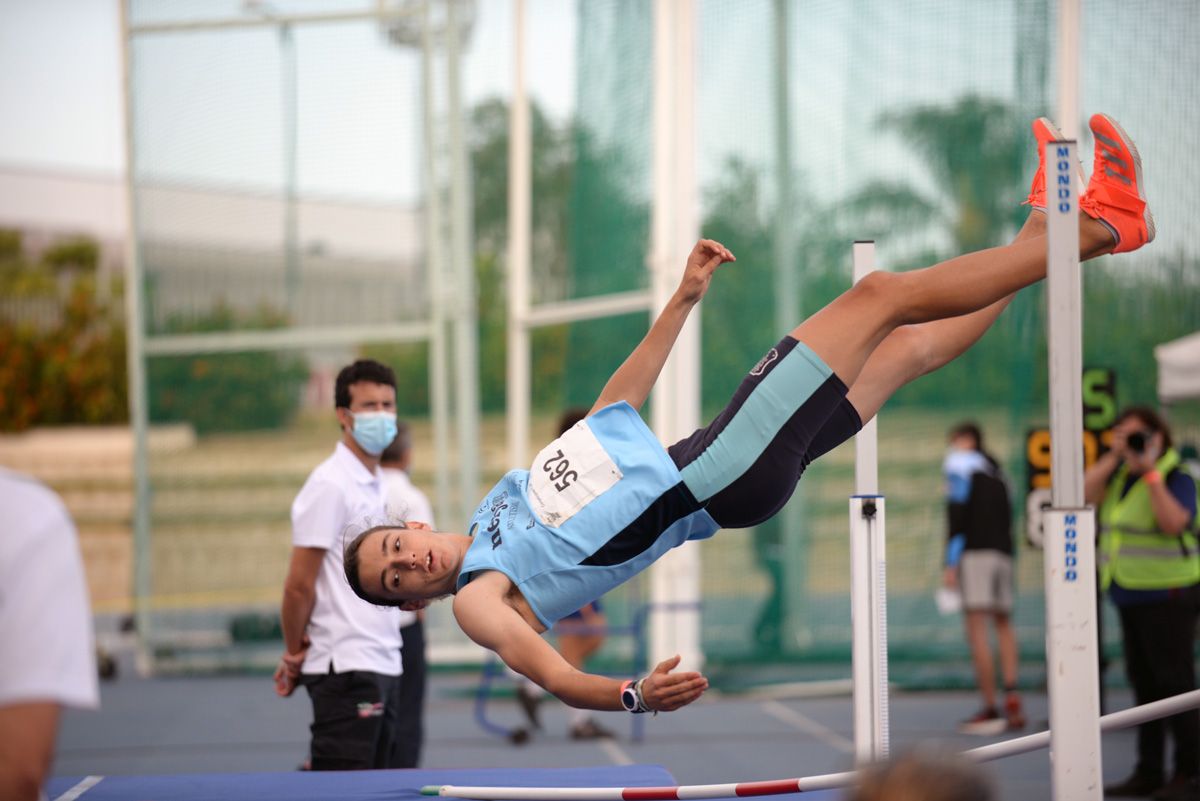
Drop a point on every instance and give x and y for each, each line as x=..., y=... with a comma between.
x=1035, y=225
x=1095, y=238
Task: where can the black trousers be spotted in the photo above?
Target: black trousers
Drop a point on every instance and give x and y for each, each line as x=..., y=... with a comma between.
x=1158, y=643
x=410, y=704
x=354, y=717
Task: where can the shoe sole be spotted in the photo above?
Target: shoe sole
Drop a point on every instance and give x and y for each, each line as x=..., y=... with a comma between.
x=1151, y=229
x=984, y=728
x=1055, y=135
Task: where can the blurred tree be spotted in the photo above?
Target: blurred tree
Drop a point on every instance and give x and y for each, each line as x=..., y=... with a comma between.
x=62, y=352
x=570, y=177
x=78, y=254
x=976, y=149
x=244, y=391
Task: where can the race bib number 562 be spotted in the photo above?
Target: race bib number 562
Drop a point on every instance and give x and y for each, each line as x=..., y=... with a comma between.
x=568, y=474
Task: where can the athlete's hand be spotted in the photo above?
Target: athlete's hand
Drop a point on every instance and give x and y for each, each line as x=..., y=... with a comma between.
x=287, y=674
x=703, y=261
x=664, y=691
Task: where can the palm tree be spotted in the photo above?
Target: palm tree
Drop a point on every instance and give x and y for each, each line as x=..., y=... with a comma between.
x=976, y=149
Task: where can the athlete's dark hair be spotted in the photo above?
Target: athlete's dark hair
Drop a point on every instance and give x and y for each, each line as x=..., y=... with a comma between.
x=361, y=370
x=350, y=562
x=1150, y=418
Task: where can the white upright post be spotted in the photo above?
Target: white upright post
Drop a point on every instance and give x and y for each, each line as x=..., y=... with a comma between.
x=1068, y=68
x=868, y=581
x=675, y=407
x=866, y=443
x=135, y=326
x=1069, y=553
x=466, y=315
x=519, y=228
x=435, y=270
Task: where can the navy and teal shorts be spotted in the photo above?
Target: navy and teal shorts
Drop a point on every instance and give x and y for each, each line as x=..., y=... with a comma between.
x=790, y=409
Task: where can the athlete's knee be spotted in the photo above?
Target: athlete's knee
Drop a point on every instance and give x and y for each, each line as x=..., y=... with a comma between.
x=912, y=351
x=880, y=290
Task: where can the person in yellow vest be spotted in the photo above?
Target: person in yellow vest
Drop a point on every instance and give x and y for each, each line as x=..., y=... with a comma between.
x=1149, y=564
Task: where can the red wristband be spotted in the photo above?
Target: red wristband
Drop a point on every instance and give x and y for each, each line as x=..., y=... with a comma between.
x=1152, y=477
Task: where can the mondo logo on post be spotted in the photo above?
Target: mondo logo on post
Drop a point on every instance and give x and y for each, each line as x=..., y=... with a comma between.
x=1064, y=179
x=1070, y=548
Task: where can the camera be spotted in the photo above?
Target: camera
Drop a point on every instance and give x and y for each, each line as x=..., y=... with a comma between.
x=1136, y=442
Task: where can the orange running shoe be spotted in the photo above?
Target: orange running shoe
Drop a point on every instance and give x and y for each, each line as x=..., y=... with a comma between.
x=1043, y=131
x=1115, y=195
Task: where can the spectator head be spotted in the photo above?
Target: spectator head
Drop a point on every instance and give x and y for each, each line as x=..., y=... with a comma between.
x=924, y=775
x=367, y=370
x=397, y=454
x=967, y=435
x=1145, y=419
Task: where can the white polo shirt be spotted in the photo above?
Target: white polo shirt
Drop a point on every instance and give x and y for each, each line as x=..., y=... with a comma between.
x=47, y=650
x=344, y=630
x=405, y=501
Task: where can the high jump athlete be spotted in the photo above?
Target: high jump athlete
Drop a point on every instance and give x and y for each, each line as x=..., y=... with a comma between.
x=606, y=499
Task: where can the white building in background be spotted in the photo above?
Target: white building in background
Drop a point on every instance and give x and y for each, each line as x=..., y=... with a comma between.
x=202, y=244
x=359, y=262
x=48, y=204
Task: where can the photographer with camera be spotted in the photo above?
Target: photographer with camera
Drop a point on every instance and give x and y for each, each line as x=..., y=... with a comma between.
x=1149, y=564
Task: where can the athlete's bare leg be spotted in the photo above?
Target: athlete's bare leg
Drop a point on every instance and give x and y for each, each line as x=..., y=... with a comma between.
x=911, y=351
x=846, y=332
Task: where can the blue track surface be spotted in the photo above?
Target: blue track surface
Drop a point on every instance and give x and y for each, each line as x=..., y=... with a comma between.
x=232, y=737
x=394, y=785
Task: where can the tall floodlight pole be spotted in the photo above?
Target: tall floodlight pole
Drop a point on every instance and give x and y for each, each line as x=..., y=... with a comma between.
x=795, y=541
x=675, y=407
x=787, y=290
x=435, y=269
x=291, y=232
x=466, y=351
x=519, y=229
x=135, y=326
x=868, y=581
x=288, y=103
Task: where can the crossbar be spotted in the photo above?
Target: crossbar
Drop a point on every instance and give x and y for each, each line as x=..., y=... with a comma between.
x=828, y=781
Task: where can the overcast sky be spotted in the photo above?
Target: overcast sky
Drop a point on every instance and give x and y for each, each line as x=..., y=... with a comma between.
x=60, y=92
x=60, y=98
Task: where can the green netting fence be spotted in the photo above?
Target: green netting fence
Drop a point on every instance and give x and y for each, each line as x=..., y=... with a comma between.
x=906, y=123
x=817, y=123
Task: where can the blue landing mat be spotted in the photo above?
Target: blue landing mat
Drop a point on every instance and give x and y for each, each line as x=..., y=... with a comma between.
x=365, y=785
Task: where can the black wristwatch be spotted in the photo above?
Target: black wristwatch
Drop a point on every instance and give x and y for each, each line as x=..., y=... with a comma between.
x=631, y=697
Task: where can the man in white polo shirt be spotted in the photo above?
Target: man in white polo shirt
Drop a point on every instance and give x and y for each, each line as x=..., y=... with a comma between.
x=345, y=651
x=405, y=501
x=48, y=657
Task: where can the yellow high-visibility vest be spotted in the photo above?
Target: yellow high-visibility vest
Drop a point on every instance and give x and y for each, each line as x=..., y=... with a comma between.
x=1133, y=551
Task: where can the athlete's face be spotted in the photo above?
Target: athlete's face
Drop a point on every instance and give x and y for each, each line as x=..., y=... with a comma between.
x=411, y=564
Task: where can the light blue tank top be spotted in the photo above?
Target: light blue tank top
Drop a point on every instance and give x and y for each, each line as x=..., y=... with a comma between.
x=599, y=505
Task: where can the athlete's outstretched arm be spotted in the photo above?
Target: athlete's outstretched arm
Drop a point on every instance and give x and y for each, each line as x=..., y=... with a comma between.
x=487, y=620
x=634, y=379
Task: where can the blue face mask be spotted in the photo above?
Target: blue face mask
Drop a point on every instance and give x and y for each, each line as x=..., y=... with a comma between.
x=374, y=431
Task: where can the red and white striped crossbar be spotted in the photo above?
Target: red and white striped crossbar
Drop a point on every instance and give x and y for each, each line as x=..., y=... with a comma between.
x=828, y=781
